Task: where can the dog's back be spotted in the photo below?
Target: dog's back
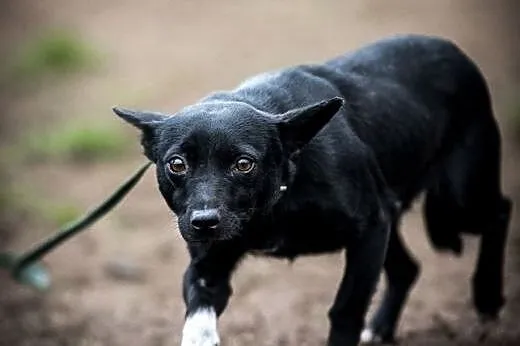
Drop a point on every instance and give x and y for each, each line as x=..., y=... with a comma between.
x=412, y=96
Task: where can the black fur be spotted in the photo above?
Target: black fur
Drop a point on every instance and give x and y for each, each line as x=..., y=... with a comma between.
x=416, y=117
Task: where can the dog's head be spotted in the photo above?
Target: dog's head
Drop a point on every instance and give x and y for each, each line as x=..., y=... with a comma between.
x=221, y=163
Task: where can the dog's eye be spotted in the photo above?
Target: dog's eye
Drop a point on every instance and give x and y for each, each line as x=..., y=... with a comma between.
x=244, y=165
x=177, y=165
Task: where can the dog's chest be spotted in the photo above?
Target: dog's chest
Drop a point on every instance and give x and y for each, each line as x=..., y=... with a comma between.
x=302, y=232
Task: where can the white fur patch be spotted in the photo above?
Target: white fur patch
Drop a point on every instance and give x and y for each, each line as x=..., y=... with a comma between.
x=369, y=337
x=200, y=329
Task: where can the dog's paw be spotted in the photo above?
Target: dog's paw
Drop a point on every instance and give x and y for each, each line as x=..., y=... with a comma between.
x=369, y=337
x=200, y=329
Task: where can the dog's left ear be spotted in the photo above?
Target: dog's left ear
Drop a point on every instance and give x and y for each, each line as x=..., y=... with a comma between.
x=298, y=126
x=147, y=122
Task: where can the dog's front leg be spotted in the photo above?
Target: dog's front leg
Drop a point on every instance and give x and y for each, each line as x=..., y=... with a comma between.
x=365, y=257
x=206, y=291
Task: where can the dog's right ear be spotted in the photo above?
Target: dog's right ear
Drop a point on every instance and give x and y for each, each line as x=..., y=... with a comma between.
x=140, y=119
x=147, y=122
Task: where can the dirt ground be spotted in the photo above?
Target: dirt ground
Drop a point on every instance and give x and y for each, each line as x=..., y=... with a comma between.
x=167, y=53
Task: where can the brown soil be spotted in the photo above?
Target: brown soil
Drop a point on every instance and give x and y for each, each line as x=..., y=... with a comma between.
x=165, y=54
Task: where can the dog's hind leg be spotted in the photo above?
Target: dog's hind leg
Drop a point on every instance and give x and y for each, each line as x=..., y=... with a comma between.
x=467, y=198
x=401, y=272
x=487, y=282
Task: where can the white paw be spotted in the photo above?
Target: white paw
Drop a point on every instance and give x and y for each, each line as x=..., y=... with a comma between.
x=369, y=337
x=200, y=329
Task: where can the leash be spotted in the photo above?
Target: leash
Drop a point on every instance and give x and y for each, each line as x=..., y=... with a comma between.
x=26, y=269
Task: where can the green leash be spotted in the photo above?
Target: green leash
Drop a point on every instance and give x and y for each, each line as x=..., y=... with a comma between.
x=26, y=268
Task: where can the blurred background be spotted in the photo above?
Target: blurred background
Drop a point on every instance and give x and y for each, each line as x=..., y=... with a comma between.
x=64, y=64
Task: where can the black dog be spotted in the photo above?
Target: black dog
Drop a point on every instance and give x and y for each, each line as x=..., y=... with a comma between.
x=326, y=157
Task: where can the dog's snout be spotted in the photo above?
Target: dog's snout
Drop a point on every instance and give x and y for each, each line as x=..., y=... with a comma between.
x=205, y=219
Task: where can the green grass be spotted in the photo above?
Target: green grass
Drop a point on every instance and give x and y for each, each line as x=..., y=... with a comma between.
x=19, y=203
x=76, y=142
x=57, y=214
x=54, y=52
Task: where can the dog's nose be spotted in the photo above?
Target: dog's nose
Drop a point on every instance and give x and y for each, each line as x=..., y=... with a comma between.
x=205, y=219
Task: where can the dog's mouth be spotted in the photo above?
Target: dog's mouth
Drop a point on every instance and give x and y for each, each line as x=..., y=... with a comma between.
x=204, y=243
x=210, y=236
x=196, y=239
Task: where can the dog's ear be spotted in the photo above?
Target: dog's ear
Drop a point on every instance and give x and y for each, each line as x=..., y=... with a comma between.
x=298, y=126
x=140, y=119
x=147, y=122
